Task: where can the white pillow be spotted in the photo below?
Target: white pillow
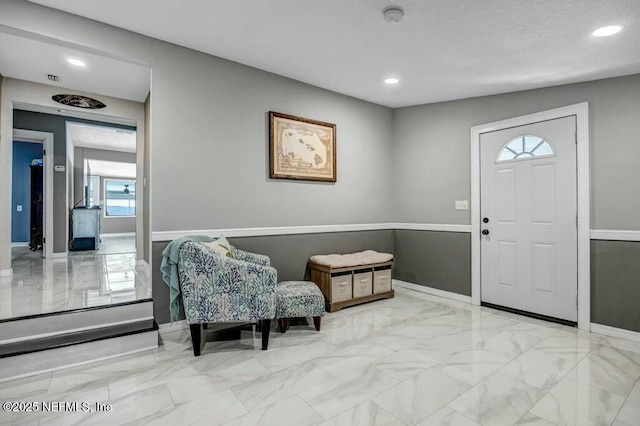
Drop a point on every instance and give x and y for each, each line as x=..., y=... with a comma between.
x=220, y=246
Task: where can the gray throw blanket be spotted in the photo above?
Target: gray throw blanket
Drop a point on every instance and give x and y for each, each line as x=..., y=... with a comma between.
x=169, y=269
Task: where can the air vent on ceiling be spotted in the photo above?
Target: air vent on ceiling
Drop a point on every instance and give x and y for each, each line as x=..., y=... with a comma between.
x=53, y=77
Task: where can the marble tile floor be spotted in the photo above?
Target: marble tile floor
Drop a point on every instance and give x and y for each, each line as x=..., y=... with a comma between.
x=108, y=245
x=111, y=245
x=52, y=285
x=412, y=360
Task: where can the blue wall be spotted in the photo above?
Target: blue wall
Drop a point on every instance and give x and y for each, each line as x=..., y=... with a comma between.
x=23, y=153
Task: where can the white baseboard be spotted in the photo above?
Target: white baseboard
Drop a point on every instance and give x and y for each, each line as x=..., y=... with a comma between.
x=432, y=291
x=20, y=244
x=61, y=255
x=6, y=273
x=620, y=333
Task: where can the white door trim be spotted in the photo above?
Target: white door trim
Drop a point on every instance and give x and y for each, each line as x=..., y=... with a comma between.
x=581, y=111
x=46, y=138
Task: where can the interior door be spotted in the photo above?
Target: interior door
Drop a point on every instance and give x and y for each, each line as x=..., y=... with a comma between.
x=528, y=207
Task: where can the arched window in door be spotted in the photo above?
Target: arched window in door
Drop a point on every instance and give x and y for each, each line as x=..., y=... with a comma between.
x=525, y=147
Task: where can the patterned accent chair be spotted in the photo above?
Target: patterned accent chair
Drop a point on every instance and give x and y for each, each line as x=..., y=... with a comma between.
x=299, y=299
x=218, y=289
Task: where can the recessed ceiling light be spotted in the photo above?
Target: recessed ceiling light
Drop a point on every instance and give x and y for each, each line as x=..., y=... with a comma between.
x=392, y=80
x=607, y=31
x=76, y=62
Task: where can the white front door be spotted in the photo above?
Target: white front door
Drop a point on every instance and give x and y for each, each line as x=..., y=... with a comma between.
x=528, y=208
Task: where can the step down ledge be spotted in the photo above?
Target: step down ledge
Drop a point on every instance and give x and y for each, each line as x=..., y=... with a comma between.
x=74, y=338
x=36, y=326
x=45, y=361
x=69, y=331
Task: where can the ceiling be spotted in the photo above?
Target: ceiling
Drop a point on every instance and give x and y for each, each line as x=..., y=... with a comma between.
x=33, y=60
x=442, y=50
x=99, y=137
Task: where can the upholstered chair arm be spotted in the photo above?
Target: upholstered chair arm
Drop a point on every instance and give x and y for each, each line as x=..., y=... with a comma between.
x=221, y=289
x=246, y=256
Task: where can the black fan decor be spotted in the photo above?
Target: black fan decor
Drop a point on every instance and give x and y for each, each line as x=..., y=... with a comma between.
x=78, y=101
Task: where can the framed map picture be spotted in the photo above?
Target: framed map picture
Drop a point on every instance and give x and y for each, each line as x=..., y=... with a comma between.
x=300, y=148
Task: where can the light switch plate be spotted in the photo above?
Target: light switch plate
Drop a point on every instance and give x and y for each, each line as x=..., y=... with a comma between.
x=19, y=208
x=462, y=205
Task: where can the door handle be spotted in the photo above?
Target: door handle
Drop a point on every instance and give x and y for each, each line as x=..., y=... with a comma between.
x=485, y=232
x=485, y=220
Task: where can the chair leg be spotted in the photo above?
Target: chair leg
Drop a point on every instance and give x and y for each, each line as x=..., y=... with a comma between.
x=266, y=327
x=282, y=322
x=316, y=322
x=196, y=338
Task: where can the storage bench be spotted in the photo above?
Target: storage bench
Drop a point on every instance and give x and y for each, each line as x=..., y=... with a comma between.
x=349, y=285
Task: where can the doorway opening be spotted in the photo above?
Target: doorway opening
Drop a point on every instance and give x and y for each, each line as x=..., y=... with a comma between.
x=103, y=218
x=31, y=195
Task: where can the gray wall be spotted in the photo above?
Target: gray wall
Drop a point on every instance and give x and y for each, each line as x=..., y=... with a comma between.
x=441, y=260
x=615, y=284
x=431, y=171
x=432, y=150
x=288, y=254
x=215, y=142
x=220, y=136
x=212, y=115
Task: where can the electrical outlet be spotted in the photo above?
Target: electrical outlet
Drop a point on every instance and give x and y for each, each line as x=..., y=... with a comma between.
x=19, y=208
x=462, y=205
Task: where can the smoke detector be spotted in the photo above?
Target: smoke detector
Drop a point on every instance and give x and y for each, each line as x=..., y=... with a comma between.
x=393, y=14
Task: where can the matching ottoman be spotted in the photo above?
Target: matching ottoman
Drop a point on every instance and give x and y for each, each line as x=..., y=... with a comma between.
x=296, y=299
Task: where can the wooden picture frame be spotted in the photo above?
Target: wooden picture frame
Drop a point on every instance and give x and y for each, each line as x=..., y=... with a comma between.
x=301, y=148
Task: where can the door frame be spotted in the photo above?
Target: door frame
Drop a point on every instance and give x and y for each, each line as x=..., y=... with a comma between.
x=46, y=139
x=581, y=112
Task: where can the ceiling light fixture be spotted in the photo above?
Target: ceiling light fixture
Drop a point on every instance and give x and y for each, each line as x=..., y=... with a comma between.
x=76, y=62
x=607, y=31
x=393, y=14
x=392, y=80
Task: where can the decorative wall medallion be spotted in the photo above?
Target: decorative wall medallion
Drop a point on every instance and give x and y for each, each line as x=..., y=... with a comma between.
x=78, y=101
